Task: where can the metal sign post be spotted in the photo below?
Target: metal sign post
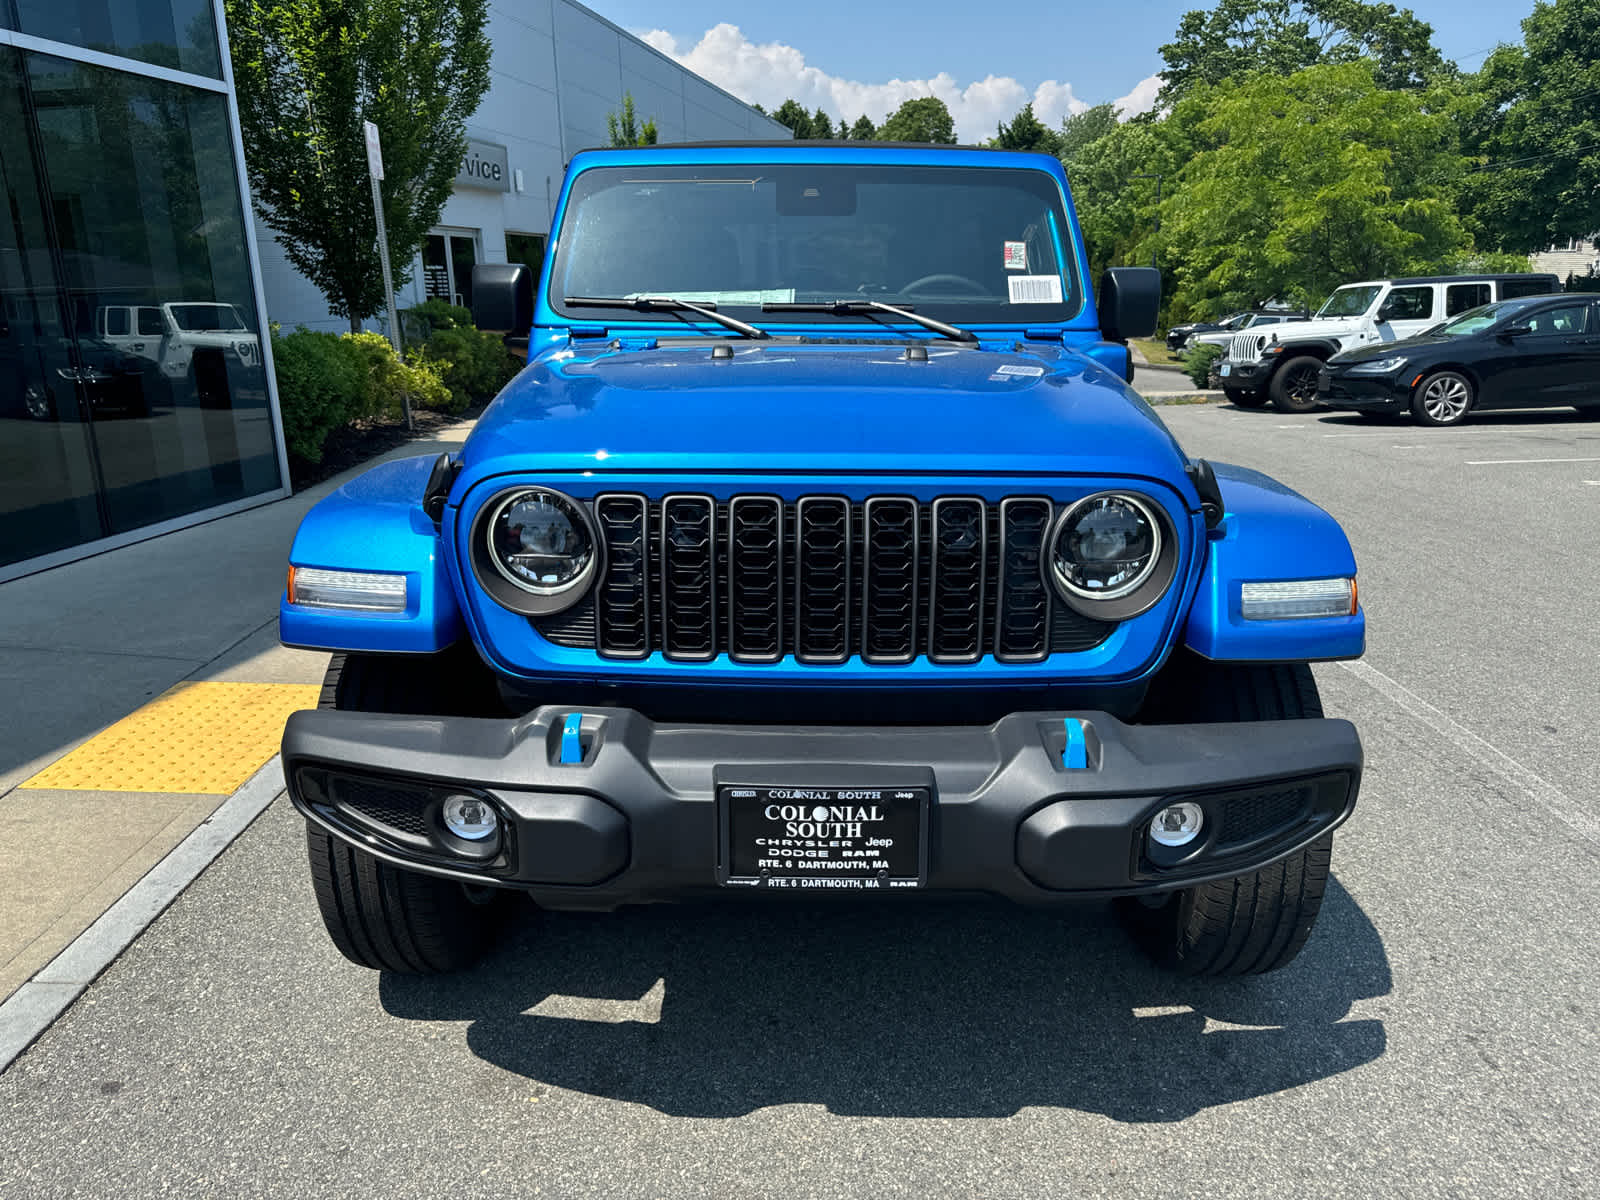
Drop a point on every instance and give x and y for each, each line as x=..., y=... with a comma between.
x=375, y=173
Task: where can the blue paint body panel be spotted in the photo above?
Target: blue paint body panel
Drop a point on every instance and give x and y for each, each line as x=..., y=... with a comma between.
x=628, y=401
x=1270, y=533
x=376, y=523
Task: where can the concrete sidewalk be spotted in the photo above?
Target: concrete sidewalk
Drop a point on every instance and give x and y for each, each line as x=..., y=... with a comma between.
x=141, y=687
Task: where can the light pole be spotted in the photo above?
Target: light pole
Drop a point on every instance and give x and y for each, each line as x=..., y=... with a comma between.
x=1157, y=178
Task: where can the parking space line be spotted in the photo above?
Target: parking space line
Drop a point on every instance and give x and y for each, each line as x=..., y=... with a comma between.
x=1507, y=462
x=1544, y=793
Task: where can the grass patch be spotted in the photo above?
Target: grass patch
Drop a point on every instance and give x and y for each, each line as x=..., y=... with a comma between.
x=1156, y=352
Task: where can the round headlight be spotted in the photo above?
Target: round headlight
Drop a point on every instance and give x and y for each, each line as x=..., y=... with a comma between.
x=540, y=541
x=1105, y=547
x=535, y=551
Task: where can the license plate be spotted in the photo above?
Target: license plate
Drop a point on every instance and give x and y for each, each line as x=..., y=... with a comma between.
x=1224, y=369
x=824, y=838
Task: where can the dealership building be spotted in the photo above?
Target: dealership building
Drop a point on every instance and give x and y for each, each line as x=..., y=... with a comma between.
x=134, y=391
x=557, y=71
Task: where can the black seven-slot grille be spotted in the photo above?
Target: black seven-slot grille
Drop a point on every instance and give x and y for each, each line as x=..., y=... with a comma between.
x=824, y=579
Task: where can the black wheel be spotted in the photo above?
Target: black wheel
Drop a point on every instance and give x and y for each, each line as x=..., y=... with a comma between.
x=378, y=915
x=1294, y=387
x=1245, y=399
x=1251, y=923
x=1443, y=398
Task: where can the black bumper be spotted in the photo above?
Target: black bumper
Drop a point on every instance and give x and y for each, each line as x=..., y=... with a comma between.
x=1377, y=394
x=640, y=817
x=1246, y=377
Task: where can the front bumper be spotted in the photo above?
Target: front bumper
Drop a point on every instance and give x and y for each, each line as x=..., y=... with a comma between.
x=1248, y=377
x=1379, y=393
x=639, y=818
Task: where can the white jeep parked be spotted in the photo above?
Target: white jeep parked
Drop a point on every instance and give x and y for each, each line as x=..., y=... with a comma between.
x=1281, y=364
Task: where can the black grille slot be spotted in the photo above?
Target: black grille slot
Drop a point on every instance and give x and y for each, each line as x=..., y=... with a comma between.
x=889, y=580
x=956, y=589
x=1255, y=814
x=1022, y=630
x=622, y=605
x=688, y=581
x=755, y=578
x=822, y=579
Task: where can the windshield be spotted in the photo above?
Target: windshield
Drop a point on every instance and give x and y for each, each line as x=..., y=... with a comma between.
x=206, y=318
x=1350, y=301
x=1472, y=321
x=960, y=244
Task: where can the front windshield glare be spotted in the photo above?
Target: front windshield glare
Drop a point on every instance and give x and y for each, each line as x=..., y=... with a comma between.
x=962, y=244
x=1349, y=302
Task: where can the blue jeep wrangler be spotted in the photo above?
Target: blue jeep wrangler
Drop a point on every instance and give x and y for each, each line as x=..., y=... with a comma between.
x=820, y=548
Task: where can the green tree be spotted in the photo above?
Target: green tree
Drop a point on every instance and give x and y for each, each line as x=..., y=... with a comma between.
x=1080, y=129
x=821, y=126
x=625, y=130
x=863, y=130
x=1242, y=37
x=796, y=118
x=1537, y=133
x=1295, y=185
x=925, y=119
x=1026, y=132
x=309, y=72
x=1117, y=211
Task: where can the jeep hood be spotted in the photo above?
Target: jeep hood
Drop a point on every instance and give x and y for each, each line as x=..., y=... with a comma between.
x=787, y=407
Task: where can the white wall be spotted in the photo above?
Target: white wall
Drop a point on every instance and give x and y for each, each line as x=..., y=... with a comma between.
x=557, y=70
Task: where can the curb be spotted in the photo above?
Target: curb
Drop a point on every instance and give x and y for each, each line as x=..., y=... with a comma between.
x=34, y=1007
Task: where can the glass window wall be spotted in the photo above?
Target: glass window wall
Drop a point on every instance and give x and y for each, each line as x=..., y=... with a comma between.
x=131, y=380
x=181, y=34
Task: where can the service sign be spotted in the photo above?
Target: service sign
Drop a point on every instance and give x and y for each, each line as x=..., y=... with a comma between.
x=824, y=838
x=484, y=166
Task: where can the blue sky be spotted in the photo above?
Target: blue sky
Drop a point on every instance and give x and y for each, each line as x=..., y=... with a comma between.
x=855, y=55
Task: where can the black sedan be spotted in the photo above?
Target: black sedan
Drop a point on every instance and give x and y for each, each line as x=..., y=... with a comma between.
x=1535, y=352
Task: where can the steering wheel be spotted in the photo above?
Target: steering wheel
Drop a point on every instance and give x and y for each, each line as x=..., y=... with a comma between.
x=962, y=282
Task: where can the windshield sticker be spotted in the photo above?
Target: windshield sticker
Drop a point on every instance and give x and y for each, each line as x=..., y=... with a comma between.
x=1019, y=369
x=1035, y=289
x=1016, y=256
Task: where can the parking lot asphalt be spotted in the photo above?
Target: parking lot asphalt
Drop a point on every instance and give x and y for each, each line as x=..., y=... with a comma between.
x=1435, y=1038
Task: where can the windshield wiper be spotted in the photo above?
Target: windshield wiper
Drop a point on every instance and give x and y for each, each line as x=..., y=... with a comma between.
x=851, y=308
x=667, y=304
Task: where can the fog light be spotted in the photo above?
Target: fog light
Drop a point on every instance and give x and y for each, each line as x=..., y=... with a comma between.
x=1177, y=824
x=469, y=817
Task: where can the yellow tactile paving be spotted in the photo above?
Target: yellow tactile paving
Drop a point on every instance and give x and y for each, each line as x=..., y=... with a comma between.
x=197, y=738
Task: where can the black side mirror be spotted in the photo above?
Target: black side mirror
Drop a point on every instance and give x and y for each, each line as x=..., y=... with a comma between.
x=502, y=298
x=1514, y=331
x=1130, y=299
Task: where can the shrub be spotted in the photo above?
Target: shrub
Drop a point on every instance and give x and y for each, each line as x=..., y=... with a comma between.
x=419, y=322
x=474, y=365
x=387, y=380
x=1197, y=364
x=320, y=389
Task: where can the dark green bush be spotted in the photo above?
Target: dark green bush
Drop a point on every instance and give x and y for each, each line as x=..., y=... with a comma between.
x=320, y=389
x=1197, y=363
x=419, y=322
x=474, y=365
x=328, y=381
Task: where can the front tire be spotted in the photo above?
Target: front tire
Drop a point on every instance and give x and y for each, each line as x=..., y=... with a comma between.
x=1252, y=923
x=379, y=915
x=1294, y=387
x=1442, y=399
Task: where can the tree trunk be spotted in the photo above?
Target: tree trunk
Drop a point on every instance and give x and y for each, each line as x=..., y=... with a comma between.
x=355, y=324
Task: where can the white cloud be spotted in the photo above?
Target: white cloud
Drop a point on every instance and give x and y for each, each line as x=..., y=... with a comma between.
x=1141, y=100
x=769, y=73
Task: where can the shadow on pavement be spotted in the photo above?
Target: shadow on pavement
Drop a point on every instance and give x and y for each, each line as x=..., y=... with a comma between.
x=936, y=1009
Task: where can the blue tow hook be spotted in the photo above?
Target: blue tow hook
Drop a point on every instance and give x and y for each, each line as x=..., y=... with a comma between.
x=1076, y=752
x=571, y=744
